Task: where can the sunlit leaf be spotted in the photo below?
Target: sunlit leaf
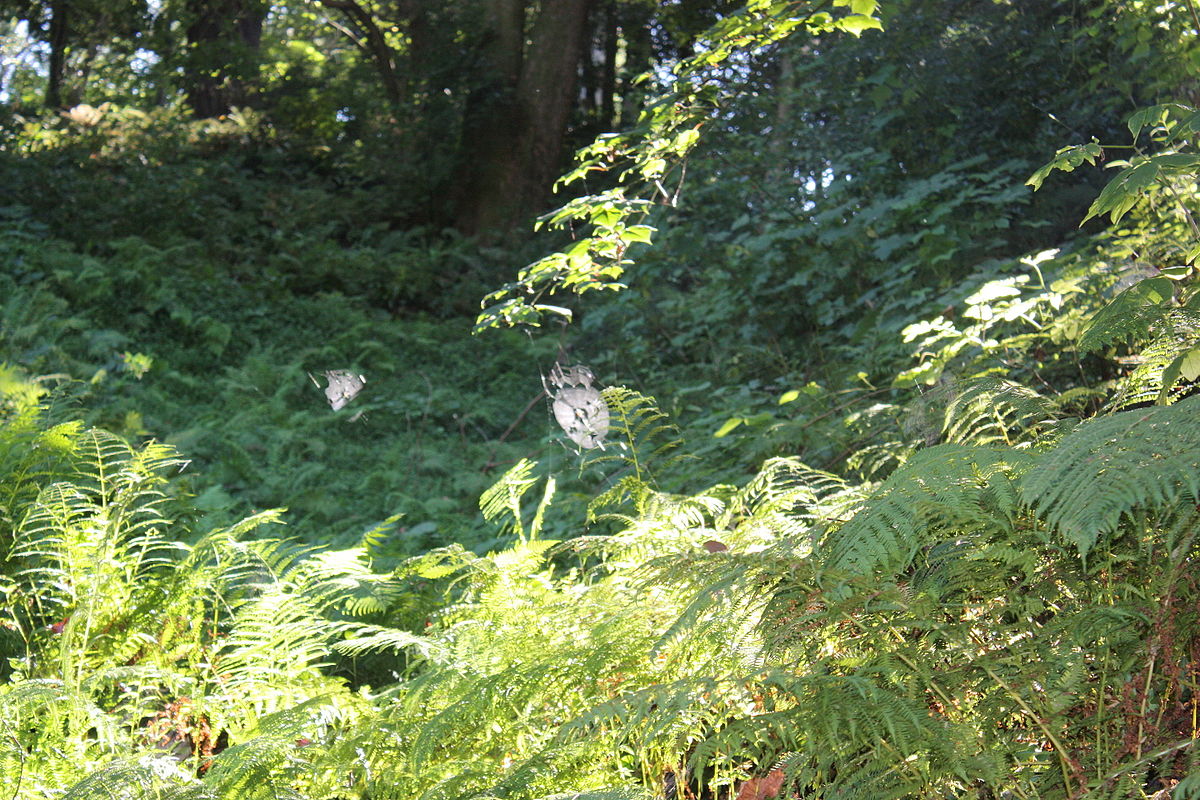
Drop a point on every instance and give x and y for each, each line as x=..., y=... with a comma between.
x=1066, y=159
x=855, y=24
x=728, y=427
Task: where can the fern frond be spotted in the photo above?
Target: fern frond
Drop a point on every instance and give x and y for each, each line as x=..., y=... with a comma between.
x=640, y=435
x=1109, y=466
x=504, y=496
x=346, y=580
x=268, y=762
x=629, y=489
x=133, y=778
x=1160, y=362
x=606, y=793
x=784, y=499
x=950, y=487
x=373, y=638
x=1130, y=314
x=993, y=411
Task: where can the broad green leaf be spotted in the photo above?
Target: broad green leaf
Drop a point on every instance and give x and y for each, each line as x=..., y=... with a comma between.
x=1066, y=159
x=1186, y=128
x=1176, y=273
x=926, y=373
x=685, y=140
x=1123, y=192
x=728, y=427
x=1189, y=367
x=1153, y=115
x=639, y=233
x=865, y=7
x=564, y=312
x=1176, y=162
x=855, y=24
x=1186, y=366
x=606, y=215
x=789, y=396
x=993, y=290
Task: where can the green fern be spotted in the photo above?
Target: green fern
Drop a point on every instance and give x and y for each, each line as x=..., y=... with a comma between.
x=1162, y=361
x=952, y=490
x=991, y=411
x=1131, y=313
x=640, y=435
x=503, y=499
x=1108, y=467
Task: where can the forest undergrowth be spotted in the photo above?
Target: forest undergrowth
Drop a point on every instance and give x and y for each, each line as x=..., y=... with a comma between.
x=889, y=504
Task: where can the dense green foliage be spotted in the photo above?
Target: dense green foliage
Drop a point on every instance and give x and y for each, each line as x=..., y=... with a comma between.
x=900, y=487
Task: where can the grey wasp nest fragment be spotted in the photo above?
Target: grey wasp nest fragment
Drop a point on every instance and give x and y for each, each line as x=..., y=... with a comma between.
x=577, y=405
x=342, y=388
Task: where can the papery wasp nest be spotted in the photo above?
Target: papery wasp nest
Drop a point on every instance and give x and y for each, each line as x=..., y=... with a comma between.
x=577, y=405
x=342, y=388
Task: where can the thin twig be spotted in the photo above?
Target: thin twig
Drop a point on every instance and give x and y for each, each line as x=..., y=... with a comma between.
x=491, y=462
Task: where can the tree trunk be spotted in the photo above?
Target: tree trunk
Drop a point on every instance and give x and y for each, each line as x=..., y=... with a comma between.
x=371, y=41
x=514, y=125
x=608, y=80
x=58, y=53
x=223, y=43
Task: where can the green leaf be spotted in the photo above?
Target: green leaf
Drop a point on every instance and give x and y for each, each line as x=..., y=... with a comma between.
x=564, y=312
x=1066, y=159
x=1189, y=366
x=1176, y=273
x=606, y=215
x=926, y=373
x=1176, y=162
x=993, y=290
x=855, y=24
x=1123, y=191
x=639, y=233
x=1153, y=115
x=789, y=396
x=866, y=7
x=728, y=427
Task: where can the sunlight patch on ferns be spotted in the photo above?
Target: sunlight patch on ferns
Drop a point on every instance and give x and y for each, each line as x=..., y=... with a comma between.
x=953, y=489
x=1110, y=466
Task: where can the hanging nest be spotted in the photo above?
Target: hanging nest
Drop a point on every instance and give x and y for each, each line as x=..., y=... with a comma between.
x=342, y=388
x=578, y=406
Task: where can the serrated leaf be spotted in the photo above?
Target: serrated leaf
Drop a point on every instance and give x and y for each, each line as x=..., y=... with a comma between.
x=855, y=24
x=1066, y=159
x=639, y=233
x=1152, y=115
x=1123, y=192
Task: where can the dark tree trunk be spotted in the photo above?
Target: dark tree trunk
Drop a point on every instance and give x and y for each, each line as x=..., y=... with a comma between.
x=608, y=80
x=514, y=126
x=58, y=53
x=373, y=44
x=639, y=55
x=223, y=43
